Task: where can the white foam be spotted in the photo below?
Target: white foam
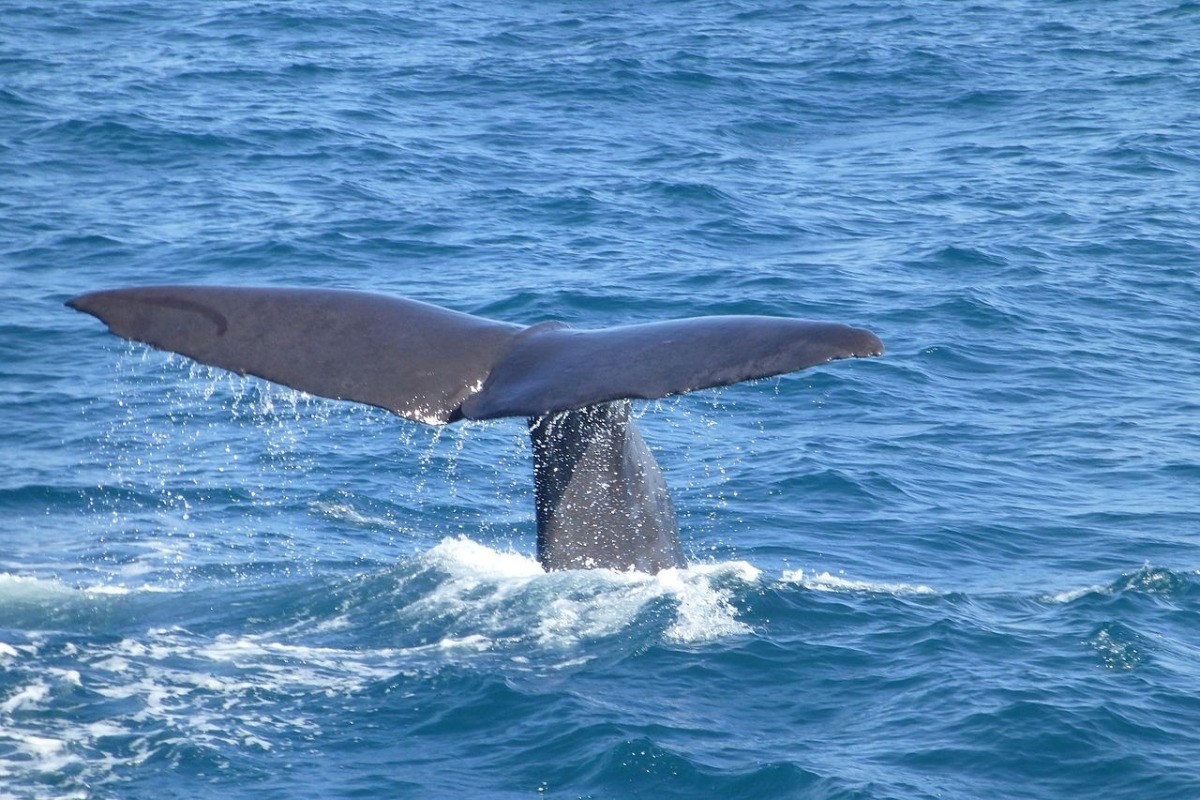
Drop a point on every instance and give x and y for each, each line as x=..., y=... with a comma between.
x=33, y=747
x=707, y=613
x=466, y=557
x=497, y=591
x=825, y=582
x=69, y=676
x=97, y=730
x=28, y=589
x=1072, y=595
x=35, y=590
x=112, y=664
x=250, y=740
x=25, y=698
x=197, y=700
x=42, y=747
x=48, y=755
x=476, y=643
x=1148, y=579
x=299, y=662
x=106, y=589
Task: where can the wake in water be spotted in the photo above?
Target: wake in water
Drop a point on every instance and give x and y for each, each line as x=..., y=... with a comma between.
x=111, y=690
x=98, y=680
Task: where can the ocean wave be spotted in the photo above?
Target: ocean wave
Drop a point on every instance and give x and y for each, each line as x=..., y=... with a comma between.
x=1150, y=581
x=32, y=590
x=826, y=582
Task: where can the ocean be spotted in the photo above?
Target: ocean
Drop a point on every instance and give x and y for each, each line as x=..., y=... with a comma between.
x=969, y=568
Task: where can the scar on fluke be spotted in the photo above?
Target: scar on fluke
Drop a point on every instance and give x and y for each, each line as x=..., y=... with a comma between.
x=601, y=501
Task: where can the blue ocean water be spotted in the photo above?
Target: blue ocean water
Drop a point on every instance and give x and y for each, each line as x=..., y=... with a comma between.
x=968, y=569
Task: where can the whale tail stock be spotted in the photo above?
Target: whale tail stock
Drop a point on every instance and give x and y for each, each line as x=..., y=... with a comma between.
x=437, y=366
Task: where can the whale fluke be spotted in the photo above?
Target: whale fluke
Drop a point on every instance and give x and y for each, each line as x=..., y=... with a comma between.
x=434, y=365
x=601, y=500
x=559, y=368
x=416, y=360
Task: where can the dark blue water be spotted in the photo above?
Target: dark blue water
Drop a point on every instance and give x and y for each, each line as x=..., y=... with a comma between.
x=967, y=569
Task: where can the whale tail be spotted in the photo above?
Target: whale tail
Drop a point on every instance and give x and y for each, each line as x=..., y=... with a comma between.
x=434, y=365
x=437, y=366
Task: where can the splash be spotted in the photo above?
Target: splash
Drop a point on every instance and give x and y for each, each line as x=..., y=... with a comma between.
x=506, y=591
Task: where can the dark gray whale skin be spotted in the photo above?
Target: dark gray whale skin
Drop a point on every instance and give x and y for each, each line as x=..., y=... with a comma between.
x=601, y=501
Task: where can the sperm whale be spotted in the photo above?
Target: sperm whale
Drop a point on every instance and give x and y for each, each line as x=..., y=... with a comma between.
x=600, y=497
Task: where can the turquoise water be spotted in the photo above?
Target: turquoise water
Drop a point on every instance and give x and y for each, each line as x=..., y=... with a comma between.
x=968, y=569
